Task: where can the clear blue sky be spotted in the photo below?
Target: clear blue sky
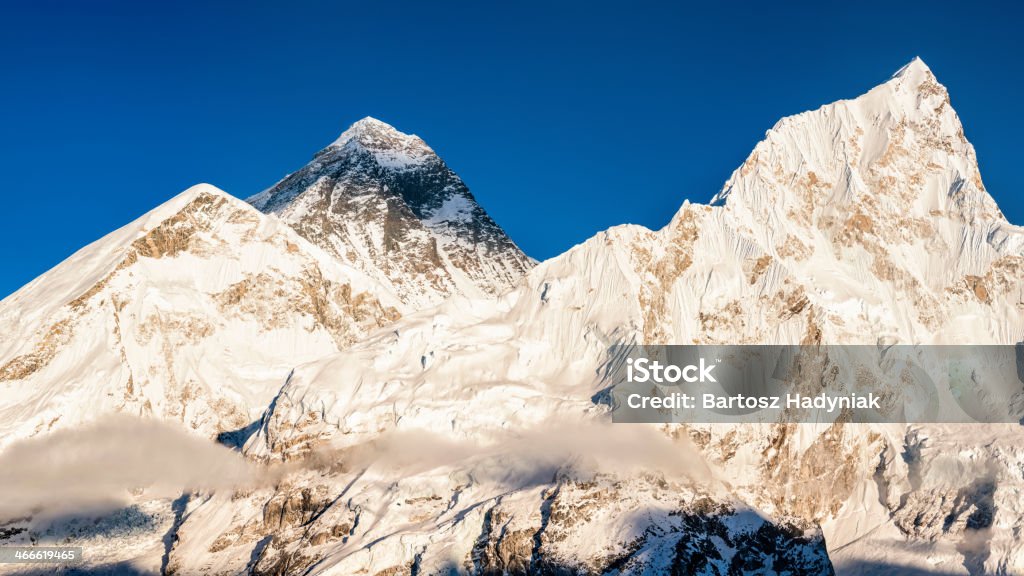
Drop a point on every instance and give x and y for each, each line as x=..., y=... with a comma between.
x=564, y=118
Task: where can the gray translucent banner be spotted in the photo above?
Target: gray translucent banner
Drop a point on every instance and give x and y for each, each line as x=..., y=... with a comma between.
x=813, y=384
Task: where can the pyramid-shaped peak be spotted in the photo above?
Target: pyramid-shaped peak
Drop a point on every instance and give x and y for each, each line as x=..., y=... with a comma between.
x=375, y=135
x=902, y=140
x=369, y=123
x=202, y=192
x=204, y=188
x=390, y=148
x=914, y=67
x=915, y=77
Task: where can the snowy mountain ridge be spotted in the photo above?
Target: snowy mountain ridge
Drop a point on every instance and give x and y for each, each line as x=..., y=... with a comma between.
x=470, y=435
x=864, y=221
x=193, y=312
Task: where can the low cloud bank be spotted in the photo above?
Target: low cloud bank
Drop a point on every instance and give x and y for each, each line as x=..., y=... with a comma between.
x=98, y=465
x=537, y=454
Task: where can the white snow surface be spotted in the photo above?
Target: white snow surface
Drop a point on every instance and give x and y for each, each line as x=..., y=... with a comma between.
x=194, y=312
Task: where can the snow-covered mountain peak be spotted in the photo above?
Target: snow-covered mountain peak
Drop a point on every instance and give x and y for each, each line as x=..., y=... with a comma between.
x=390, y=148
x=369, y=126
x=916, y=68
x=900, y=148
x=176, y=203
x=203, y=188
x=915, y=92
x=384, y=202
x=193, y=312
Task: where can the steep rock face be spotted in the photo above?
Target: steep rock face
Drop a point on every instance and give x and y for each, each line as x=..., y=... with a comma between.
x=864, y=221
x=194, y=312
x=384, y=202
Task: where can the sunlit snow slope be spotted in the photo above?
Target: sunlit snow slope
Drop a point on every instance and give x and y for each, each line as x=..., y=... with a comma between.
x=194, y=313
